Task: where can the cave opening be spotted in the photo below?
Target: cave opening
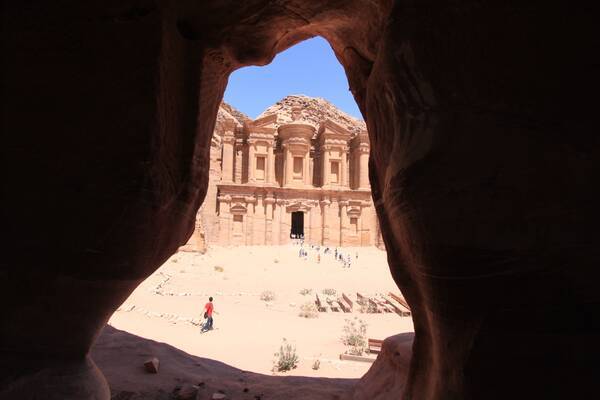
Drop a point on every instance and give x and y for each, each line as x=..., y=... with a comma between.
x=288, y=215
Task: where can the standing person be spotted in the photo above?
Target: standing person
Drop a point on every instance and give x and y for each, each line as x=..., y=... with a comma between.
x=318, y=258
x=208, y=312
x=349, y=260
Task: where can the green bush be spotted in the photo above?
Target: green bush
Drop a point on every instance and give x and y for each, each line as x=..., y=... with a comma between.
x=329, y=292
x=304, y=292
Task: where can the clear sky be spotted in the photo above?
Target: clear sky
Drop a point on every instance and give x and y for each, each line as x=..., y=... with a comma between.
x=308, y=68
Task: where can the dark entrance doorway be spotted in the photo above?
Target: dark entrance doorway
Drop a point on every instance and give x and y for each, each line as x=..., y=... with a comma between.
x=297, y=224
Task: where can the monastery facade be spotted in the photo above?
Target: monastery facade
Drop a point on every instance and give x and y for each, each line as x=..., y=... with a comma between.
x=272, y=180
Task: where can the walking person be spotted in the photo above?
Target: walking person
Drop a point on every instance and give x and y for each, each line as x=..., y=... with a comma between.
x=208, y=312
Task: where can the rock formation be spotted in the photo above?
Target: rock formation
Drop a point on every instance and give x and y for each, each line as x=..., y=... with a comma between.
x=250, y=199
x=484, y=165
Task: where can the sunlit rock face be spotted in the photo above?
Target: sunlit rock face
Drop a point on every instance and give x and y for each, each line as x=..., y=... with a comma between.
x=483, y=170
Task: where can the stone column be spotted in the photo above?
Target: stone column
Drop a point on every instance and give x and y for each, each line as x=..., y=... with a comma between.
x=249, y=221
x=224, y=220
x=251, y=162
x=276, y=227
x=227, y=160
x=313, y=236
x=268, y=202
x=343, y=171
x=284, y=234
x=363, y=178
x=239, y=157
x=289, y=167
x=305, y=169
x=343, y=205
x=311, y=170
x=324, y=225
x=270, y=165
x=325, y=169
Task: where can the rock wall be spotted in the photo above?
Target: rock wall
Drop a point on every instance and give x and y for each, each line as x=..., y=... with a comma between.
x=483, y=169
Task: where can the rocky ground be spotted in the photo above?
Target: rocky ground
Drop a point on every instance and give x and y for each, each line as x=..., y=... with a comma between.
x=161, y=319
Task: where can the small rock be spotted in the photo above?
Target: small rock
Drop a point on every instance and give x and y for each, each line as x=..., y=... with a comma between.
x=187, y=392
x=219, y=396
x=151, y=365
x=245, y=390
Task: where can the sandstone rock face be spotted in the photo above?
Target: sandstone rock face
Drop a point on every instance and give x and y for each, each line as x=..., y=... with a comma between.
x=483, y=170
x=314, y=110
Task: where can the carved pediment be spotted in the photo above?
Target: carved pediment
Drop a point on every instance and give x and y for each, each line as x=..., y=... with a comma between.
x=354, y=211
x=238, y=208
x=303, y=206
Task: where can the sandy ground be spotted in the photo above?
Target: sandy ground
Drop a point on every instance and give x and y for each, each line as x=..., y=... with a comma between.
x=248, y=331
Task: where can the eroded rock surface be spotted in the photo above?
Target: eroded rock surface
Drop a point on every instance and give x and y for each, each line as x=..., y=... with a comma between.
x=483, y=168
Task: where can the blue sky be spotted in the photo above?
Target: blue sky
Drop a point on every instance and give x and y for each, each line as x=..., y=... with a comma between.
x=308, y=68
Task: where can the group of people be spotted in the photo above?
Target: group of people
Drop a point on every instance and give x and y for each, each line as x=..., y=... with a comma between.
x=209, y=308
x=346, y=260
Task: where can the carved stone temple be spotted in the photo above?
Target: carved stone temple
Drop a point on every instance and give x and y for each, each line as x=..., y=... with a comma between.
x=282, y=175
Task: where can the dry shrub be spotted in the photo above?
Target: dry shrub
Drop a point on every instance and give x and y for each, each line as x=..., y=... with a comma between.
x=355, y=336
x=267, y=295
x=309, y=310
x=286, y=358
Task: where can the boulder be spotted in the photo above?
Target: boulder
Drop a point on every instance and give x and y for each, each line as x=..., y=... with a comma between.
x=151, y=365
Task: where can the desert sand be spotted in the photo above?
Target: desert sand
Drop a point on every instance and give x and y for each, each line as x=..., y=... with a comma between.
x=167, y=307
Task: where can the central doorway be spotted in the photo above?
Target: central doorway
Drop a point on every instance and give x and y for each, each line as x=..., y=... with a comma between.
x=297, y=224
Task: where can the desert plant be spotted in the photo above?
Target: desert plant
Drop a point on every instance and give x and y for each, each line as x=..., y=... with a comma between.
x=329, y=292
x=316, y=365
x=304, y=292
x=286, y=357
x=219, y=268
x=309, y=310
x=355, y=336
x=267, y=295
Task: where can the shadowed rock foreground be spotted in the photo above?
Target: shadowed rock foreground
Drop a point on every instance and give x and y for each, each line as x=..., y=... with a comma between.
x=483, y=168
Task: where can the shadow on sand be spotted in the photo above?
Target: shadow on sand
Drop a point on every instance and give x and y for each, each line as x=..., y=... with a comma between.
x=120, y=355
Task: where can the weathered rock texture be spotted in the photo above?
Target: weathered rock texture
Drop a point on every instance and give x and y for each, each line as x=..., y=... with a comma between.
x=483, y=168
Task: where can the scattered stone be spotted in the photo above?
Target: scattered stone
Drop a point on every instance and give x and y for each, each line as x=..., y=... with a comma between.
x=187, y=392
x=219, y=396
x=151, y=365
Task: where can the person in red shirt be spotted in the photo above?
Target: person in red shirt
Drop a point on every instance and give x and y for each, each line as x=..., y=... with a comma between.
x=208, y=312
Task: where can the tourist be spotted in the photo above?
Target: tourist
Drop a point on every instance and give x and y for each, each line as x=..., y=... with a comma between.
x=318, y=258
x=349, y=260
x=208, y=312
x=336, y=253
